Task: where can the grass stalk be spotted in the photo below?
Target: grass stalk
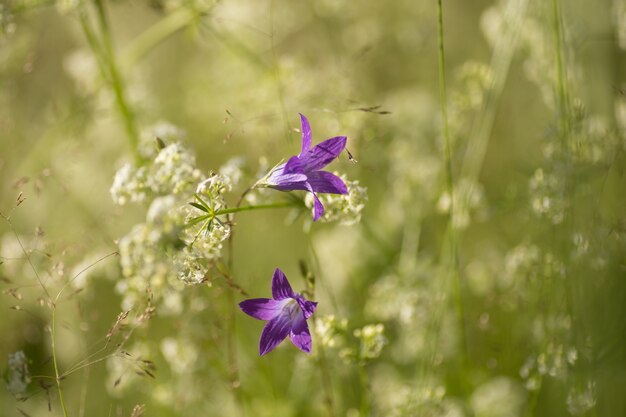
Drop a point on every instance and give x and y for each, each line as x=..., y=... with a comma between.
x=102, y=48
x=366, y=404
x=54, y=361
x=447, y=156
x=116, y=79
x=561, y=76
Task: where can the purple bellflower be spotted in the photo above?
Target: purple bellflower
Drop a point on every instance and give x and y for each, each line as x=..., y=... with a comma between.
x=286, y=314
x=303, y=171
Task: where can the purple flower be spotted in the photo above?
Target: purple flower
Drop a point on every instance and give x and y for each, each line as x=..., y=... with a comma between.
x=303, y=172
x=286, y=314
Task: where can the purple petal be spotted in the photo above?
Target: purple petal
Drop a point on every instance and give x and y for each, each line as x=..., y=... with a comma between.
x=274, y=332
x=318, y=207
x=308, y=307
x=293, y=166
x=323, y=153
x=283, y=179
x=300, y=335
x=326, y=182
x=261, y=308
x=306, y=134
x=280, y=286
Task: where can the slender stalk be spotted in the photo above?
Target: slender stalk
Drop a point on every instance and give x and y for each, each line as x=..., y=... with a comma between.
x=103, y=51
x=116, y=79
x=157, y=33
x=327, y=386
x=54, y=360
x=326, y=382
x=560, y=68
x=366, y=405
x=454, y=261
x=255, y=207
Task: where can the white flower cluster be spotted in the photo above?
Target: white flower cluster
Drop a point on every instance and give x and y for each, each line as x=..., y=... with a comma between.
x=498, y=397
x=18, y=376
x=554, y=362
x=164, y=131
x=426, y=400
x=173, y=171
x=372, y=340
x=547, y=199
x=328, y=328
x=343, y=208
x=170, y=170
x=167, y=251
x=581, y=399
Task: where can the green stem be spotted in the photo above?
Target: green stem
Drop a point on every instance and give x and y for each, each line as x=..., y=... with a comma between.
x=366, y=406
x=157, y=33
x=255, y=207
x=103, y=50
x=561, y=76
x=54, y=360
x=231, y=210
x=454, y=261
x=116, y=79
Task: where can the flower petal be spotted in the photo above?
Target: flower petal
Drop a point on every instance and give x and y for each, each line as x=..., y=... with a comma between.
x=274, y=332
x=261, y=308
x=280, y=286
x=293, y=166
x=326, y=182
x=307, y=307
x=306, y=134
x=300, y=335
x=323, y=153
x=287, y=177
x=318, y=207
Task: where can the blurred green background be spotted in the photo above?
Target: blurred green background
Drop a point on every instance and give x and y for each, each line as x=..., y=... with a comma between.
x=537, y=158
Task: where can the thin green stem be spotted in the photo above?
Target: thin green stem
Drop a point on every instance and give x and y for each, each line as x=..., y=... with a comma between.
x=366, y=406
x=157, y=33
x=232, y=210
x=327, y=386
x=560, y=68
x=256, y=207
x=54, y=360
x=447, y=155
x=103, y=51
x=116, y=79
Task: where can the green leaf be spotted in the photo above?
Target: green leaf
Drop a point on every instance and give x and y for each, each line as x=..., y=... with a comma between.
x=200, y=207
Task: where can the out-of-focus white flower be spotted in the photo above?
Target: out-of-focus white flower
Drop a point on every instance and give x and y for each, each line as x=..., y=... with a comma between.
x=343, y=208
x=581, y=399
x=498, y=397
x=130, y=184
x=18, y=376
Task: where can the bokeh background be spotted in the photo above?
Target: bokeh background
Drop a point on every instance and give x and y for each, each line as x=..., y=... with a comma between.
x=530, y=320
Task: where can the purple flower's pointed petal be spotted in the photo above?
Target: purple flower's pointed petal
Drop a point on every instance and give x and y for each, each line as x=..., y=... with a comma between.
x=280, y=286
x=274, y=332
x=293, y=166
x=325, y=182
x=318, y=207
x=261, y=308
x=306, y=134
x=308, y=307
x=287, y=177
x=322, y=154
x=300, y=335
